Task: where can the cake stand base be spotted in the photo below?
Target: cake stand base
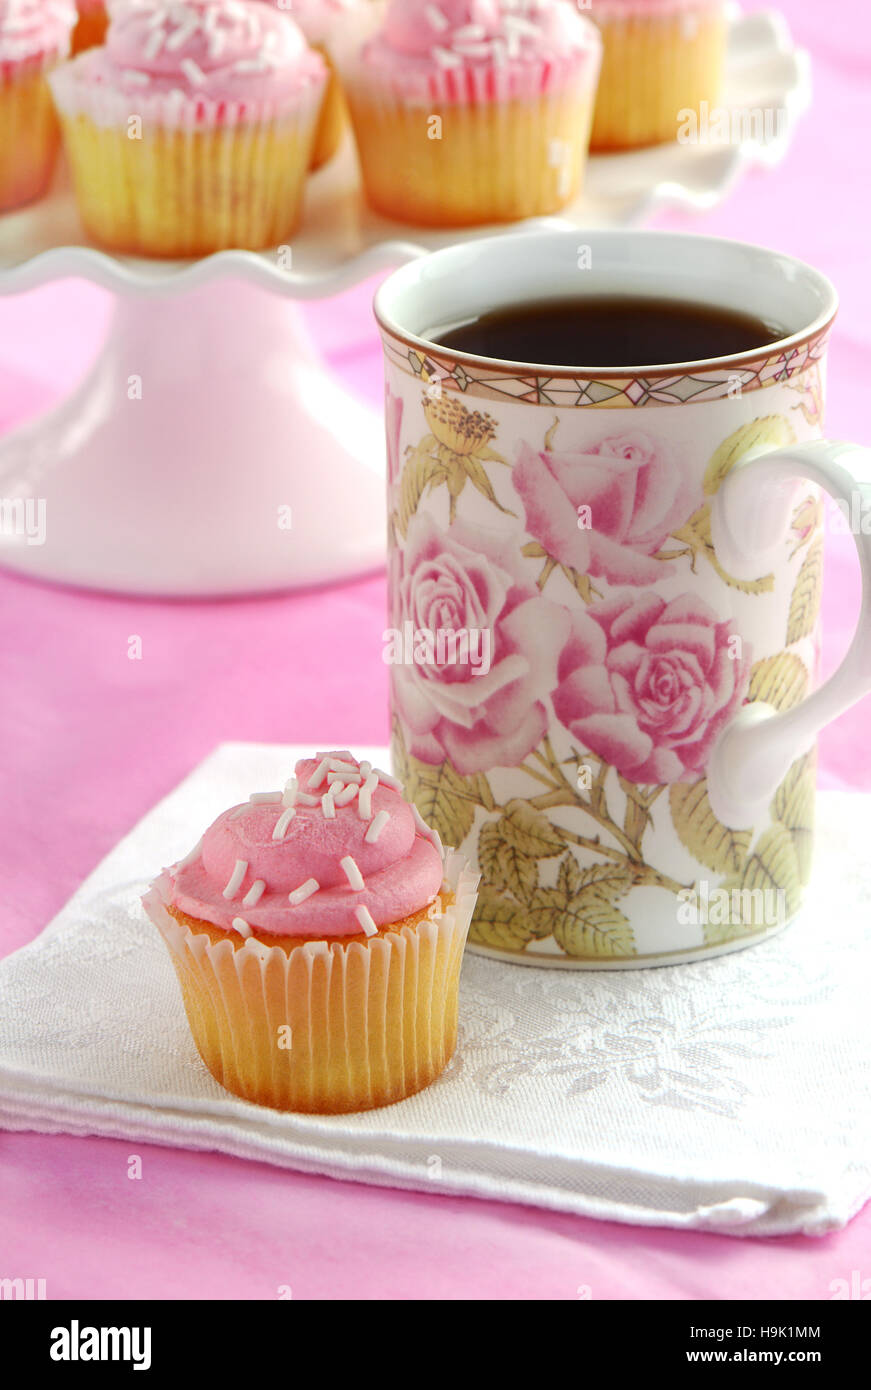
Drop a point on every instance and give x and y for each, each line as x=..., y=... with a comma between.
x=207, y=453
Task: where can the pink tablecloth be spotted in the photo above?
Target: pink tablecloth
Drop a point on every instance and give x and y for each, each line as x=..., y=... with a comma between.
x=91, y=739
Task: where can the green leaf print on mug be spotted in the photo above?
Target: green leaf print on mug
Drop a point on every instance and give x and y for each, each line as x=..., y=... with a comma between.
x=768, y=432
x=804, y=606
x=590, y=925
x=712, y=843
x=443, y=799
x=531, y=831
x=499, y=923
x=781, y=681
x=698, y=543
x=504, y=865
x=581, y=912
x=452, y=454
x=793, y=807
x=771, y=870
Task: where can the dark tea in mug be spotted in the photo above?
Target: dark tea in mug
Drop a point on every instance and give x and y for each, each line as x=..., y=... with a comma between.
x=609, y=332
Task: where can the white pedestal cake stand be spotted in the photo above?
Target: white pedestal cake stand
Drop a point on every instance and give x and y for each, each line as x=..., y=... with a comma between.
x=209, y=451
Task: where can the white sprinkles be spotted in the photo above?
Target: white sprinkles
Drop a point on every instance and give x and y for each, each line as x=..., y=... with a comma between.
x=346, y=782
x=172, y=27
x=375, y=827
x=283, y=822
x=236, y=877
x=255, y=893
x=366, y=920
x=352, y=873
x=304, y=891
x=452, y=48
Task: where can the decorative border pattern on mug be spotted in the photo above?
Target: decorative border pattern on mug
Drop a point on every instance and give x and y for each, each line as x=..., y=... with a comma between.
x=619, y=390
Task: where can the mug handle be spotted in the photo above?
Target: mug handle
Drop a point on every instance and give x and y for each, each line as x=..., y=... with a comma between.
x=750, y=516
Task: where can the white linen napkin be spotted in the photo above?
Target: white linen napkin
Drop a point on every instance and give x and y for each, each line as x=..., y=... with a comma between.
x=731, y=1094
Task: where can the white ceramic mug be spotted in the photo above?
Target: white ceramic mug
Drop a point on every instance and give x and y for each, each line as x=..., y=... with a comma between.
x=621, y=731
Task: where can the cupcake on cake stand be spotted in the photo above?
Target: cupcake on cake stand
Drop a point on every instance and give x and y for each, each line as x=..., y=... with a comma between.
x=210, y=451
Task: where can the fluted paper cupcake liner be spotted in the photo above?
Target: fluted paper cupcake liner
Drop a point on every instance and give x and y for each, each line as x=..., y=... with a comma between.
x=186, y=186
x=654, y=66
x=483, y=85
x=326, y=1026
x=29, y=133
x=460, y=163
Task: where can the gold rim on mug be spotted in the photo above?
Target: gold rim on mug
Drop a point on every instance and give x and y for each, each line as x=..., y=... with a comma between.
x=708, y=378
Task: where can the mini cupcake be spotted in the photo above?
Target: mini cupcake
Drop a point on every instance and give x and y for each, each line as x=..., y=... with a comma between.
x=661, y=58
x=321, y=21
x=317, y=936
x=473, y=111
x=191, y=129
x=92, y=25
x=34, y=38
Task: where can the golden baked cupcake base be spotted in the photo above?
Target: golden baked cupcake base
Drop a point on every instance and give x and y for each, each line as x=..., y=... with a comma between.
x=206, y=153
x=179, y=193
x=324, y=1026
x=29, y=137
x=654, y=67
x=523, y=158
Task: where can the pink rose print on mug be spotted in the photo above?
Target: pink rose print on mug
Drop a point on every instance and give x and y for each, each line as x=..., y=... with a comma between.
x=636, y=493
x=478, y=714
x=648, y=685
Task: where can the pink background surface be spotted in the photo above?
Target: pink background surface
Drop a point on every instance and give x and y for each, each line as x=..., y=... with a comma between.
x=91, y=740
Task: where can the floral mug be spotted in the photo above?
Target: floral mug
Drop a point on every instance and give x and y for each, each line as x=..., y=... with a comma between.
x=604, y=600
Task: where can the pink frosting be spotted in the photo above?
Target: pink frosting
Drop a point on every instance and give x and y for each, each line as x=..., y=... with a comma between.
x=481, y=48
x=317, y=19
x=401, y=867
x=481, y=31
x=231, y=52
x=31, y=27
x=604, y=9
